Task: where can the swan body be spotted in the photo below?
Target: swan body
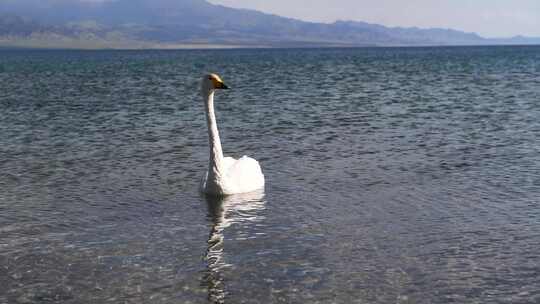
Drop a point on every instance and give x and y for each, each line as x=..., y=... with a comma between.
x=225, y=175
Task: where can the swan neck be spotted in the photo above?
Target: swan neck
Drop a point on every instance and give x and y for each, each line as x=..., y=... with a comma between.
x=216, y=152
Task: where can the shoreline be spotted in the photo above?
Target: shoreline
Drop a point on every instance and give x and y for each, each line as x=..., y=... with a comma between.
x=6, y=44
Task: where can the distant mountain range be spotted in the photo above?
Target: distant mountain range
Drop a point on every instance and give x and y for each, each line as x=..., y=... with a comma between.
x=197, y=23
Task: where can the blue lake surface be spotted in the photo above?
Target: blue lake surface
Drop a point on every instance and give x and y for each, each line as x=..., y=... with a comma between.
x=394, y=175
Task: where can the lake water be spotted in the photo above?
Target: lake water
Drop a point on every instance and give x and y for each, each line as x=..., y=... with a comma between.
x=394, y=175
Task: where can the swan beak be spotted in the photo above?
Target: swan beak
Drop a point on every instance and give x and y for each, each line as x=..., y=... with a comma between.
x=222, y=86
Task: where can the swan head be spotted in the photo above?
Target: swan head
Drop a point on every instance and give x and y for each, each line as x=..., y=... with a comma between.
x=213, y=82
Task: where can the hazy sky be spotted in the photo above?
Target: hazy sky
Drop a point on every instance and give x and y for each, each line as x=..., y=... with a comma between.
x=489, y=18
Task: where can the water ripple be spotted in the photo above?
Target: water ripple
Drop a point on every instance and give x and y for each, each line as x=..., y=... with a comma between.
x=399, y=175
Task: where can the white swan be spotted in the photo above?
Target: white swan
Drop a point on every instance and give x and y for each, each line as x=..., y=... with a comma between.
x=225, y=175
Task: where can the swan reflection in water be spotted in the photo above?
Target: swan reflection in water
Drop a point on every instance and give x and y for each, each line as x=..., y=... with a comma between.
x=239, y=209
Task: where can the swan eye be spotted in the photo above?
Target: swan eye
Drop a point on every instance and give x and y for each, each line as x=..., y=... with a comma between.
x=210, y=77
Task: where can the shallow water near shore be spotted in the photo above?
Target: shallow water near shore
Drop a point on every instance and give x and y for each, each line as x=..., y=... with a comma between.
x=394, y=175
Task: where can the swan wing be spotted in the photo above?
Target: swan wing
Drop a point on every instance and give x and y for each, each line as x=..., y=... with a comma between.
x=243, y=175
